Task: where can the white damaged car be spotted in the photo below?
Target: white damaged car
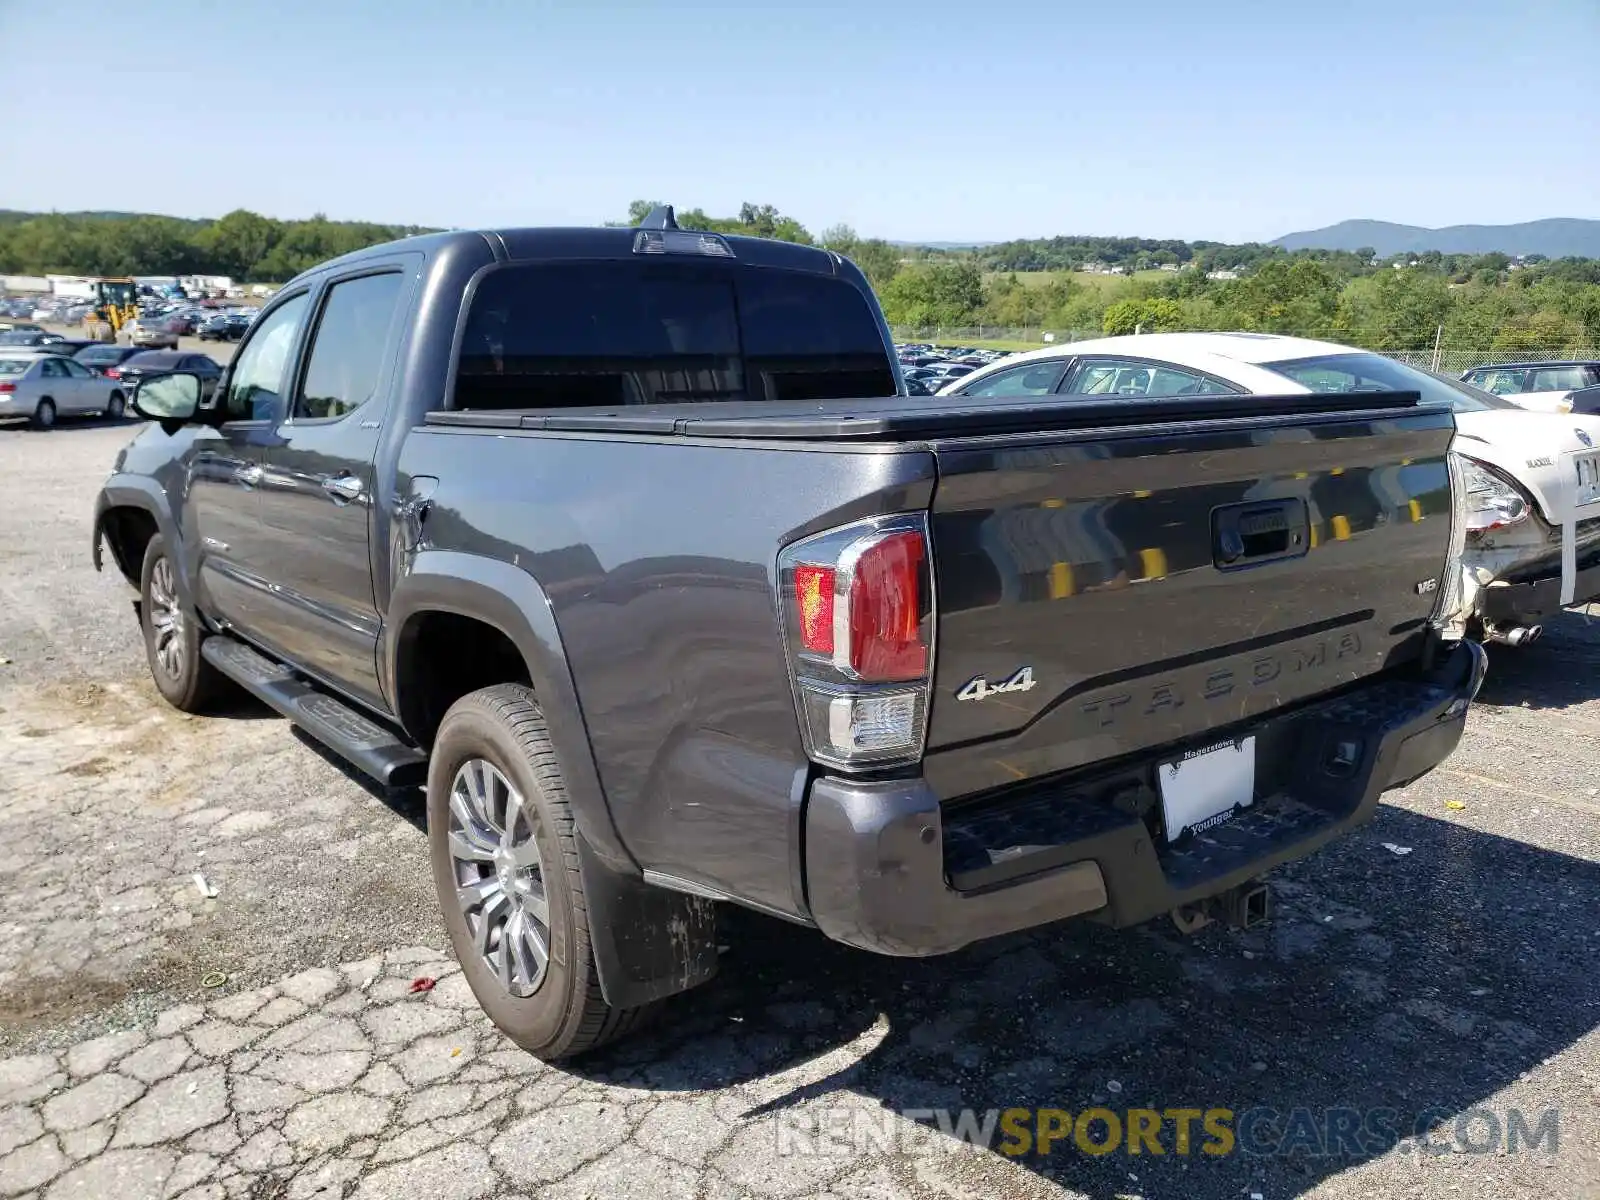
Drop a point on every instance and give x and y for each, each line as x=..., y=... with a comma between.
x=1532, y=479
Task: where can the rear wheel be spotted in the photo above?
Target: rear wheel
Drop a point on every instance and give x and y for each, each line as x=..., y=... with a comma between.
x=115, y=406
x=505, y=863
x=172, y=635
x=44, y=414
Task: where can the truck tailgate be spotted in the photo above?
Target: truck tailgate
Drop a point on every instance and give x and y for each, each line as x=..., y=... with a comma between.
x=1108, y=591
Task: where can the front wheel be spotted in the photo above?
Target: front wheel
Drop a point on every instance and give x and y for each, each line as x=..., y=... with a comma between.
x=172, y=635
x=116, y=406
x=505, y=863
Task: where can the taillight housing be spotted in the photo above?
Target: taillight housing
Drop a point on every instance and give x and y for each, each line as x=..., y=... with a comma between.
x=113, y=373
x=858, y=614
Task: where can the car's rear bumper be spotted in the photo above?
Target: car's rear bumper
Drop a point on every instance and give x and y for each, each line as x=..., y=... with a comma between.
x=1533, y=600
x=890, y=869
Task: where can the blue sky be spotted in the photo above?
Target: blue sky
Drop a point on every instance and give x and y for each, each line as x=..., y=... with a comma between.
x=1232, y=120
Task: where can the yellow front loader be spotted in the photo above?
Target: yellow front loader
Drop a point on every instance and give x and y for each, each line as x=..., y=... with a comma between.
x=116, y=302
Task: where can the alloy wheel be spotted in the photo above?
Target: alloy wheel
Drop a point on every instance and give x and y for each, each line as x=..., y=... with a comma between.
x=166, y=619
x=500, y=875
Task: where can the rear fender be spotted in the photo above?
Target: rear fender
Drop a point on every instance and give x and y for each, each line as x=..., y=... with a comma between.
x=648, y=942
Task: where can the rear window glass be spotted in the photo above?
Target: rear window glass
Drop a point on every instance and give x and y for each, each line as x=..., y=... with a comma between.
x=609, y=334
x=1375, y=373
x=15, y=366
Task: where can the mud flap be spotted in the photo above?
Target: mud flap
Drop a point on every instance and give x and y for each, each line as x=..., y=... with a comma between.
x=648, y=943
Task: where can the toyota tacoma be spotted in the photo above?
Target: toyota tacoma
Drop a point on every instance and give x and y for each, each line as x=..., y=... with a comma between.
x=630, y=546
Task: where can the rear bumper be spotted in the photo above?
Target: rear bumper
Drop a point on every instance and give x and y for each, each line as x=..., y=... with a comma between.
x=889, y=869
x=1532, y=600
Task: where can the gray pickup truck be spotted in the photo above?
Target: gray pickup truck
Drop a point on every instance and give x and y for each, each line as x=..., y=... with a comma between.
x=629, y=544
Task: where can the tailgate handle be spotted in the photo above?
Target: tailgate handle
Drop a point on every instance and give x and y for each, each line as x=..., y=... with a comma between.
x=1243, y=535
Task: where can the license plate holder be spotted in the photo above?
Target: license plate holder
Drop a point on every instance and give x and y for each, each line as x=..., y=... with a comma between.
x=1587, y=467
x=1205, y=787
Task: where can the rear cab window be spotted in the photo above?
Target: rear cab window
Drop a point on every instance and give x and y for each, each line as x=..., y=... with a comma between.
x=565, y=335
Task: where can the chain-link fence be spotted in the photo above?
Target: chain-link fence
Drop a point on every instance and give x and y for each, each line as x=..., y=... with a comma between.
x=1451, y=359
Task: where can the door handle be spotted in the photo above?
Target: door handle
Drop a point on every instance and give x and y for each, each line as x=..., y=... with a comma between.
x=343, y=489
x=249, y=475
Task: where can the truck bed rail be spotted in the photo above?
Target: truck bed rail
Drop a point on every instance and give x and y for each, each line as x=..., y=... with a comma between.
x=922, y=417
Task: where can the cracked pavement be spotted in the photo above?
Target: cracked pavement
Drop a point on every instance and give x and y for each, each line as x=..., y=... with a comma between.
x=1458, y=976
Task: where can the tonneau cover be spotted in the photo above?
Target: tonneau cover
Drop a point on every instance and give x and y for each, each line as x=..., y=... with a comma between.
x=917, y=416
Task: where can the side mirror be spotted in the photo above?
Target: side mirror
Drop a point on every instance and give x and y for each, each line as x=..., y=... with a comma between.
x=170, y=399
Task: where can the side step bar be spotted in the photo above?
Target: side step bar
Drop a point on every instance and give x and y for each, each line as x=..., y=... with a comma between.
x=358, y=739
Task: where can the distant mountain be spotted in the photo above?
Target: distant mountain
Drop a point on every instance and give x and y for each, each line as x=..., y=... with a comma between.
x=1557, y=237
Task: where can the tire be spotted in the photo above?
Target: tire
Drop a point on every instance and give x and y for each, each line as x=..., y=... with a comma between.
x=116, y=406
x=44, y=414
x=185, y=680
x=554, y=1010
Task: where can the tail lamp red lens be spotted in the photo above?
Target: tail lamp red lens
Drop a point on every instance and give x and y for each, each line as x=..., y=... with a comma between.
x=885, y=600
x=8, y=387
x=113, y=373
x=865, y=614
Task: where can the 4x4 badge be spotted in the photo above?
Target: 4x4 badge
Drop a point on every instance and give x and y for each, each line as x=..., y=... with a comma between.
x=981, y=689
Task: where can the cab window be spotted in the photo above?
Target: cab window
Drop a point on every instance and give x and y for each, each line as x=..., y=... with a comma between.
x=256, y=383
x=346, y=356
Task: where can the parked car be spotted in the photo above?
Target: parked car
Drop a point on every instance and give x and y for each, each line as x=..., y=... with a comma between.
x=43, y=386
x=67, y=346
x=15, y=338
x=1532, y=479
x=147, y=363
x=639, y=559
x=100, y=357
x=223, y=327
x=152, y=333
x=1542, y=386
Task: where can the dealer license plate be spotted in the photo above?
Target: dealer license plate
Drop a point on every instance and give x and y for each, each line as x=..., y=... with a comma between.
x=1204, y=787
x=1588, y=478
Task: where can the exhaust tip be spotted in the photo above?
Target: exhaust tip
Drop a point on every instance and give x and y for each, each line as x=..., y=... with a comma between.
x=1517, y=635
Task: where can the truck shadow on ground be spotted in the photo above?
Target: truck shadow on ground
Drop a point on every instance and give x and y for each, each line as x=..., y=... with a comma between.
x=1559, y=670
x=1392, y=987
x=410, y=803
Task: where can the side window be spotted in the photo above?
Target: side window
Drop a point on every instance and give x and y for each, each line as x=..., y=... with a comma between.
x=348, y=347
x=1559, y=379
x=53, y=369
x=1501, y=383
x=76, y=370
x=1121, y=377
x=257, y=380
x=1034, y=379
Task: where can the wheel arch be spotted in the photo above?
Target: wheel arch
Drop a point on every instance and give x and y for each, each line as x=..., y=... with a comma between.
x=127, y=514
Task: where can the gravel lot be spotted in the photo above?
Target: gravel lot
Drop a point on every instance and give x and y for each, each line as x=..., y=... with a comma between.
x=1458, y=976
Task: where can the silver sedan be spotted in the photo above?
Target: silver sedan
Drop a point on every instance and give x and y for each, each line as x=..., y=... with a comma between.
x=43, y=387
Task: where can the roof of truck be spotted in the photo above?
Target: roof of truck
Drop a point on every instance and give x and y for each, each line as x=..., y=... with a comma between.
x=571, y=244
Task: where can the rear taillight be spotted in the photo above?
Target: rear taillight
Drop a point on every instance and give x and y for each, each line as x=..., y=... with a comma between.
x=113, y=373
x=858, y=619
x=8, y=387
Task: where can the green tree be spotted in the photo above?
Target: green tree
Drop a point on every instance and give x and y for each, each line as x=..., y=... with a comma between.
x=1152, y=315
